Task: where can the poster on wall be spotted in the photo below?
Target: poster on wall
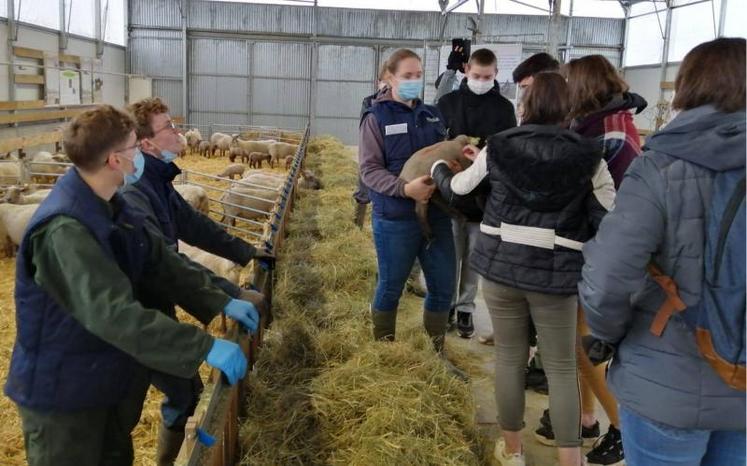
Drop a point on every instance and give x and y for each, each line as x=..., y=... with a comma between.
x=69, y=87
x=509, y=56
x=139, y=88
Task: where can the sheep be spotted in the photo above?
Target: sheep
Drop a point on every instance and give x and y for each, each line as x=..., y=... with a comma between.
x=10, y=172
x=256, y=158
x=183, y=152
x=253, y=146
x=205, y=148
x=308, y=180
x=221, y=142
x=420, y=163
x=13, y=222
x=45, y=167
x=218, y=265
x=25, y=195
x=236, y=152
x=288, y=162
x=238, y=200
x=268, y=179
x=195, y=196
x=194, y=138
x=231, y=170
x=280, y=150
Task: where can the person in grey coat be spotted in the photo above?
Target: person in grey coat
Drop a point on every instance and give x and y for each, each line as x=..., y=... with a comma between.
x=675, y=408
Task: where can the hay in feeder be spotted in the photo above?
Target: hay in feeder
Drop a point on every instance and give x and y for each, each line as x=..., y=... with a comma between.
x=323, y=392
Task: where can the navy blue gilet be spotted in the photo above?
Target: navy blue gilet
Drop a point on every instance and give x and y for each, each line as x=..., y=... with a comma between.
x=57, y=365
x=405, y=131
x=156, y=185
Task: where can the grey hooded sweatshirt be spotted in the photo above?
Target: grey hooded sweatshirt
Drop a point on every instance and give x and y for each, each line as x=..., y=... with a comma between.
x=660, y=214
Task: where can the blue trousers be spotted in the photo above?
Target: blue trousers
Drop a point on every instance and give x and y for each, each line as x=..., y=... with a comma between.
x=650, y=443
x=398, y=243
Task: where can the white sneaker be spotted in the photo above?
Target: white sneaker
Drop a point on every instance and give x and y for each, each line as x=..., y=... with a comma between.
x=505, y=459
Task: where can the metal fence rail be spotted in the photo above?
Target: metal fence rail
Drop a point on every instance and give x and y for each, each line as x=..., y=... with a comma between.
x=217, y=414
x=290, y=135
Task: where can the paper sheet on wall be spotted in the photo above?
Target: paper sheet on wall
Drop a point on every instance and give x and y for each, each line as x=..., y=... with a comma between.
x=69, y=87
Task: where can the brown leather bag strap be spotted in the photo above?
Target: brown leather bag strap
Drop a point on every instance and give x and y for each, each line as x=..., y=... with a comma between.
x=673, y=303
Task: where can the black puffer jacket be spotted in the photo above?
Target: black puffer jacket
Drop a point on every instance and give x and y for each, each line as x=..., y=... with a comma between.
x=549, y=189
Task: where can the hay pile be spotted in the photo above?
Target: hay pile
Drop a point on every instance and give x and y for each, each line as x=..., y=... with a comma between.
x=323, y=392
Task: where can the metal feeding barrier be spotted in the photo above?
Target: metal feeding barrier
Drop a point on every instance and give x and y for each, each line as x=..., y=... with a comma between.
x=212, y=433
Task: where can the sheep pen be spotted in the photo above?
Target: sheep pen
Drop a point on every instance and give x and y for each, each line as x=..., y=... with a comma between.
x=145, y=434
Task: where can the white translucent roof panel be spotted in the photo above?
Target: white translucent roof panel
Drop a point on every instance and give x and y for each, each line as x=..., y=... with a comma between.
x=691, y=25
x=597, y=8
x=81, y=14
x=113, y=21
x=644, y=44
x=40, y=12
x=735, y=25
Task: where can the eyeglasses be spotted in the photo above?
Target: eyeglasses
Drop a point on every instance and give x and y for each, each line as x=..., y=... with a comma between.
x=125, y=149
x=169, y=125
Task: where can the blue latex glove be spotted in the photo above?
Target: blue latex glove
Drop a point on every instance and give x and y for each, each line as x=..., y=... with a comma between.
x=243, y=312
x=229, y=358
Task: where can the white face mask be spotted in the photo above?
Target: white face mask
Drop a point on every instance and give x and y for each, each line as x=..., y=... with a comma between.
x=479, y=87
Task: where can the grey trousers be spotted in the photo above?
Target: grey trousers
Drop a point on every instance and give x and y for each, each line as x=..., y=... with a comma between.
x=465, y=237
x=555, y=319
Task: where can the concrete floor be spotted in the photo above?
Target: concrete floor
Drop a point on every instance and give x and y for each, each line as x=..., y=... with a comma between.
x=483, y=389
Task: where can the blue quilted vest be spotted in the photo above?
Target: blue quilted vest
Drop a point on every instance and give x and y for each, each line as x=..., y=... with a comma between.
x=57, y=365
x=405, y=131
x=156, y=185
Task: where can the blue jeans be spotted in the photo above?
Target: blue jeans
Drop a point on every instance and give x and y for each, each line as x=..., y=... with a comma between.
x=181, y=398
x=398, y=243
x=650, y=443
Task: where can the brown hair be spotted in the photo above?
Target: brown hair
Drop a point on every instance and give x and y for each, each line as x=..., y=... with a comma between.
x=483, y=57
x=392, y=62
x=712, y=73
x=537, y=63
x=143, y=112
x=592, y=82
x=90, y=137
x=546, y=101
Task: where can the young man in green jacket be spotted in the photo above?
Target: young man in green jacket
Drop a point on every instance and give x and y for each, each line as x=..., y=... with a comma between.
x=85, y=346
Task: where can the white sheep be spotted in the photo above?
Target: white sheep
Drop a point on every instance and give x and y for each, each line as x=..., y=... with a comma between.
x=235, y=169
x=10, y=172
x=221, y=142
x=262, y=178
x=193, y=138
x=24, y=195
x=13, y=222
x=45, y=167
x=238, y=200
x=195, y=196
x=280, y=150
x=218, y=265
x=253, y=146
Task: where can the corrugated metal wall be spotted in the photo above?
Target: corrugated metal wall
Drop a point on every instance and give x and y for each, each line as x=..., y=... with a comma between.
x=252, y=63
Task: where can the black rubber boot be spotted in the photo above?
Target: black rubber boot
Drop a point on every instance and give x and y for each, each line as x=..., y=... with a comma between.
x=384, y=325
x=169, y=444
x=360, y=214
x=435, y=326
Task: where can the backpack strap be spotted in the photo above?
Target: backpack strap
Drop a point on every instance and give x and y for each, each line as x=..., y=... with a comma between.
x=673, y=303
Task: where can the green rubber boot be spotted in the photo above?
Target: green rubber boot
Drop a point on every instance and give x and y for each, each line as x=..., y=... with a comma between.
x=384, y=325
x=435, y=326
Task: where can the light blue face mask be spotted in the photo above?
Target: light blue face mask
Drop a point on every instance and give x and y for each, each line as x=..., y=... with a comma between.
x=139, y=162
x=167, y=156
x=410, y=89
